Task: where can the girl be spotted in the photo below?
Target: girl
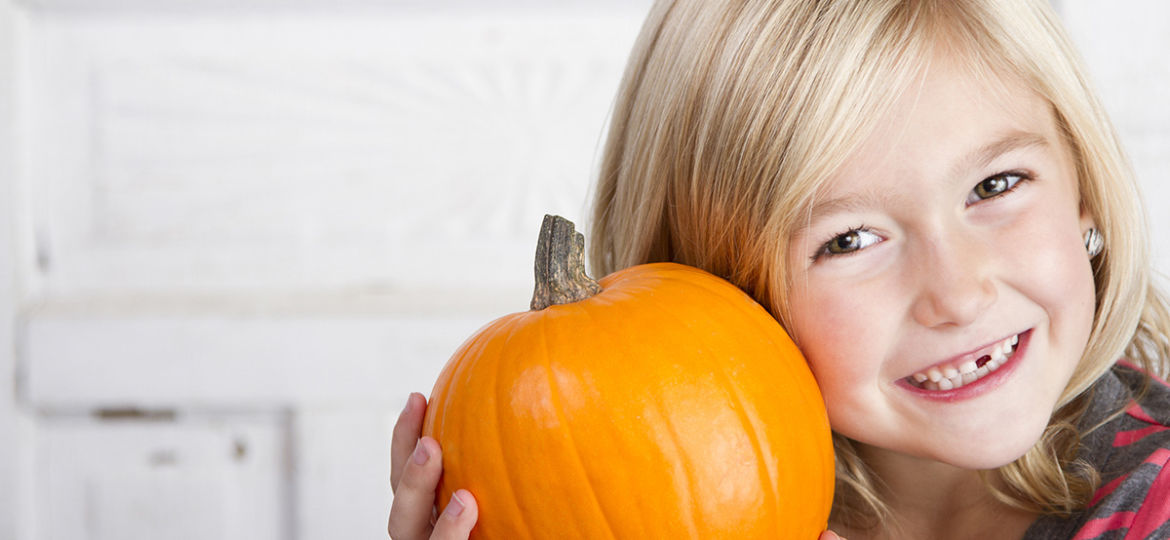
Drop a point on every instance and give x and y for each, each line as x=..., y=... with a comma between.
x=929, y=198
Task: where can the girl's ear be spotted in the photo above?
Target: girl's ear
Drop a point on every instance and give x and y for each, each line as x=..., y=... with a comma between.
x=1086, y=220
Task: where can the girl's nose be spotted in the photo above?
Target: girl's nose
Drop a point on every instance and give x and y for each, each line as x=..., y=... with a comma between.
x=955, y=284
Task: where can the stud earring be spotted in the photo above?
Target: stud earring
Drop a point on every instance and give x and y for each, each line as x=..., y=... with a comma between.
x=1094, y=243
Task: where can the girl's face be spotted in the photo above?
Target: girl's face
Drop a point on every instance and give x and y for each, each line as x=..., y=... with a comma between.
x=942, y=293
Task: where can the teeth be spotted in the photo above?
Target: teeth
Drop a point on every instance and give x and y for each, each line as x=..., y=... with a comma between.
x=948, y=377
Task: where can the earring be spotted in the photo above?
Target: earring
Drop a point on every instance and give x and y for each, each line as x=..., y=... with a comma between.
x=1094, y=243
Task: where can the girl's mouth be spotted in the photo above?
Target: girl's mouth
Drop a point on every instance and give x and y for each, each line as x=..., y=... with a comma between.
x=965, y=371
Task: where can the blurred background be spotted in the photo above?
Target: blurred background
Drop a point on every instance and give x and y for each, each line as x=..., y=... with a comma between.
x=235, y=234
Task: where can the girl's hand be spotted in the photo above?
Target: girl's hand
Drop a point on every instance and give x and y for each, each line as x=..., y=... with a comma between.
x=415, y=466
x=830, y=535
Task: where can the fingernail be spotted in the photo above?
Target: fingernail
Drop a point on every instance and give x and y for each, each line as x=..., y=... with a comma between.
x=455, y=506
x=420, y=455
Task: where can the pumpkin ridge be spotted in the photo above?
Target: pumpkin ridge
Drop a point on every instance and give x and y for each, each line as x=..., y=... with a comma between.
x=674, y=454
x=617, y=295
x=769, y=471
x=680, y=457
x=554, y=395
x=805, y=392
x=500, y=390
x=471, y=349
x=720, y=368
x=689, y=518
x=725, y=293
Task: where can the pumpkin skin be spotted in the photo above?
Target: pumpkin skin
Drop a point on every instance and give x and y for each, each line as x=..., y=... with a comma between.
x=669, y=405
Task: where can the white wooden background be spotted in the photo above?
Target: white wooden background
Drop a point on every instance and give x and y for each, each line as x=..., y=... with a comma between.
x=235, y=235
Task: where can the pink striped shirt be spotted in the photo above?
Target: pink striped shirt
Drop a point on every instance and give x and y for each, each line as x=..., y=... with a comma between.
x=1131, y=452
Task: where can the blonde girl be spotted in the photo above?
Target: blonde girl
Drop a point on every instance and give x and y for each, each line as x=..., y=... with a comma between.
x=930, y=199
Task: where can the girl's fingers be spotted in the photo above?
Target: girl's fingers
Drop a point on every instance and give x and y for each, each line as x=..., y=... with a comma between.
x=410, y=514
x=407, y=430
x=830, y=535
x=416, y=463
x=458, y=517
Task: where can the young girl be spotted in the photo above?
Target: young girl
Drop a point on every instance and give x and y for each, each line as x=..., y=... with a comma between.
x=929, y=198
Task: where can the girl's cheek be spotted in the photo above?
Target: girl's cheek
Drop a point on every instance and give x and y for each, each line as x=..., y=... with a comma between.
x=1052, y=258
x=839, y=332
x=1051, y=269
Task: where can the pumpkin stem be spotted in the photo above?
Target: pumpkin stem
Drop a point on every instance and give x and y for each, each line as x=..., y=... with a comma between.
x=560, y=265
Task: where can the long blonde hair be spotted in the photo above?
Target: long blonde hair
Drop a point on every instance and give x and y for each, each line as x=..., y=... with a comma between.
x=733, y=114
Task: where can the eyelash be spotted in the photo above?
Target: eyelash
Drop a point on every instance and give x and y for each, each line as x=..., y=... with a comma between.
x=824, y=249
x=1021, y=176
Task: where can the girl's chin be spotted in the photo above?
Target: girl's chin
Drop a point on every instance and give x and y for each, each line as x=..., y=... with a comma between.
x=992, y=453
x=962, y=452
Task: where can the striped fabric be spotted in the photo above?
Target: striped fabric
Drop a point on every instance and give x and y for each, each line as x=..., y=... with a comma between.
x=1132, y=452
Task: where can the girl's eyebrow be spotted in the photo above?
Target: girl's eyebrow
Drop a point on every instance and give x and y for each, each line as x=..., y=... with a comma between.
x=849, y=203
x=984, y=155
x=979, y=158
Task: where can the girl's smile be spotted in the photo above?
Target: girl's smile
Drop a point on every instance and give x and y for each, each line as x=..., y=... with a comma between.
x=940, y=284
x=970, y=375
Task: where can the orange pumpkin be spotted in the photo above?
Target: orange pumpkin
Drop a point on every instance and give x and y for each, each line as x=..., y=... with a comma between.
x=664, y=403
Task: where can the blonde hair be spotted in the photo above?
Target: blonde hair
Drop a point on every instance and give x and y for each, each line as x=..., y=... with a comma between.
x=733, y=114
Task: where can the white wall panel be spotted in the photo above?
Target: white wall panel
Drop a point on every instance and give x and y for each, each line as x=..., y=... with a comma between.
x=237, y=362
x=343, y=470
x=195, y=477
x=276, y=152
x=16, y=454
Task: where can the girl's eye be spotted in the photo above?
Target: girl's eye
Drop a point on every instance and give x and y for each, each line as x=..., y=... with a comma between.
x=994, y=186
x=850, y=242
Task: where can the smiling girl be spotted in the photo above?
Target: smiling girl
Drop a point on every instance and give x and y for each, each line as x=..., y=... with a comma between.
x=929, y=198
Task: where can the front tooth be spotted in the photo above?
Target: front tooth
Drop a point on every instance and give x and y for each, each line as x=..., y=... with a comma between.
x=997, y=354
x=934, y=374
x=969, y=378
x=982, y=371
x=992, y=365
x=968, y=367
x=949, y=372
